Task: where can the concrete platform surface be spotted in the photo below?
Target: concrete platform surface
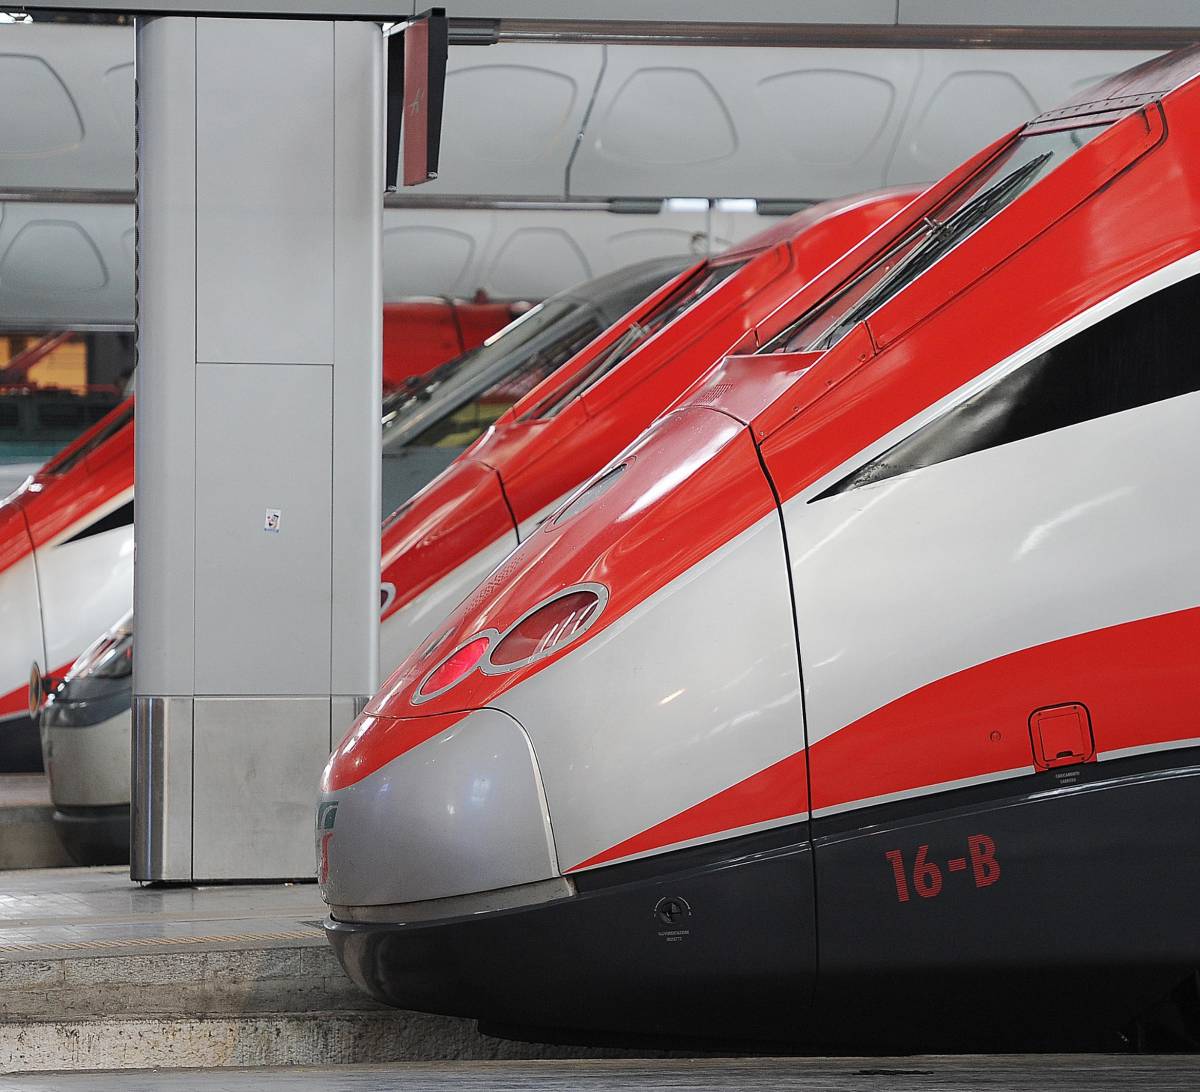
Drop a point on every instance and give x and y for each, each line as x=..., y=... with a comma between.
x=27, y=835
x=1100, y=1073
x=98, y=973
x=99, y=911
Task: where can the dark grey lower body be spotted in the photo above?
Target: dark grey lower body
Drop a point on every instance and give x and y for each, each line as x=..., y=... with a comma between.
x=1083, y=914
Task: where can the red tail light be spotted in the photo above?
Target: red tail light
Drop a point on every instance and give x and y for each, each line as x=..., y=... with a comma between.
x=548, y=627
x=460, y=663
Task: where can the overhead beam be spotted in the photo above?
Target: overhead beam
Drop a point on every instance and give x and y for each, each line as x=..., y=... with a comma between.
x=819, y=35
x=908, y=24
x=46, y=195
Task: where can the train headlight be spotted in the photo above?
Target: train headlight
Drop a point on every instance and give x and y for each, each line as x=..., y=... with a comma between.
x=547, y=628
x=551, y=625
x=111, y=657
x=454, y=668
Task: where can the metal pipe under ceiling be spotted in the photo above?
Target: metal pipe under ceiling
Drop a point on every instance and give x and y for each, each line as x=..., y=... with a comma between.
x=814, y=35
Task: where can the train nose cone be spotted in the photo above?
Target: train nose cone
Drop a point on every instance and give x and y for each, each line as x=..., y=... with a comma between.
x=460, y=813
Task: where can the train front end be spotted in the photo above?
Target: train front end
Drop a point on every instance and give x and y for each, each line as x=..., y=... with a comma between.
x=584, y=787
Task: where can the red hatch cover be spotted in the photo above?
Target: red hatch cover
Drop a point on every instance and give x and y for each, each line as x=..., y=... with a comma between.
x=1061, y=735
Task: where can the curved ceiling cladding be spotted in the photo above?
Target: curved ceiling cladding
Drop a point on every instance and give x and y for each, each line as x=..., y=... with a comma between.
x=74, y=128
x=531, y=120
x=49, y=254
x=666, y=116
x=447, y=254
x=626, y=247
x=809, y=123
x=544, y=99
x=553, y=250
x=55, y=126
x=934, y=138
x=856, y=110
x=601, y=121
x=118, y=85
x=66, y=265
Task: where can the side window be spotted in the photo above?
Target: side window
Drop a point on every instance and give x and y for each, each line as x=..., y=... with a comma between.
x=464, y=425
x=1142, y=354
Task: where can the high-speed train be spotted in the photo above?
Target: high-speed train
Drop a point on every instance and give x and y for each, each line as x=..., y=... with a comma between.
x=563, y=438
x=429, y=422
x=66, y=570
x=420, y=334
x=438, y=546
x=85, y=728
x=856, y=700
x=66, y=536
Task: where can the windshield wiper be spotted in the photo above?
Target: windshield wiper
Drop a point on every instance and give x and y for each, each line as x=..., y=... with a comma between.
x=943, y=237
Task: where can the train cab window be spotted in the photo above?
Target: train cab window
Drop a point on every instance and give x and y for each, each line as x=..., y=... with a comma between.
x=699, y=286
x=465, y=424
x=69, y=458
x=972, y=205
x=1144, y=353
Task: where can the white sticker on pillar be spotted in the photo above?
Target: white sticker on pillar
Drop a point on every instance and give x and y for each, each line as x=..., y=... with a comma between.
x=271, y=520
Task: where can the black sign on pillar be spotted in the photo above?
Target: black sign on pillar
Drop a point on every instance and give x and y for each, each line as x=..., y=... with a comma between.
x=416, y=89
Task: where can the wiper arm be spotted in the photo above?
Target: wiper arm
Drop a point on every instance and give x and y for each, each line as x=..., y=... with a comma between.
x=942, y=237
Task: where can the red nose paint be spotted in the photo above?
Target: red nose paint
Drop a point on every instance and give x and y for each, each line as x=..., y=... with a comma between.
x=456, y=666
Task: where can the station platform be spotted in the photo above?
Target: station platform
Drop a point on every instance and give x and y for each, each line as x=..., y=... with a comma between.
x=910, y=1074
x=97, y=972
x=27, y=835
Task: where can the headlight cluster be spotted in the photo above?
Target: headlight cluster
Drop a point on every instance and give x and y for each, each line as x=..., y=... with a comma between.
x=111, y=657
x=548, y=627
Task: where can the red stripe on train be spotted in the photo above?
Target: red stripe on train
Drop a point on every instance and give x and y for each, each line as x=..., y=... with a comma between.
x=1136, y=679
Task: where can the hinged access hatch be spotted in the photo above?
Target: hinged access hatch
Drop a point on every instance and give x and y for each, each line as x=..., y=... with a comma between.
x=1061, y=735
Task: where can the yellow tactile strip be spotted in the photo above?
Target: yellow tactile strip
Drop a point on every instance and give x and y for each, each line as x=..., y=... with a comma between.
x=143, y=942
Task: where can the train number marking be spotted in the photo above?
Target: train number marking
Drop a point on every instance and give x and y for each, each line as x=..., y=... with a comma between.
x=927, y=875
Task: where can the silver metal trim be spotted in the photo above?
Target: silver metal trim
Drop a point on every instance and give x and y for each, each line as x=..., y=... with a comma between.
x=486, y=666
x=160, y=820
x=458, y=906
x=419, y=697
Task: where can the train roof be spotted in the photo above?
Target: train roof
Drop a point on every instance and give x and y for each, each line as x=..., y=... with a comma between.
x=790, y=226
x=1047, y=223
x=594, y=305
x=616, y=292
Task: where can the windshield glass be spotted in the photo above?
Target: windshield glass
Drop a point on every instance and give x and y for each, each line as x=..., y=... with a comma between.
x=697, y=287
x=528, y=366
x=959, y=216
x=69, y=459
x=517, y=333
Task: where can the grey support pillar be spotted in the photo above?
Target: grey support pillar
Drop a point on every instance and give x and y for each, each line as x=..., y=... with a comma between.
x=260, y=145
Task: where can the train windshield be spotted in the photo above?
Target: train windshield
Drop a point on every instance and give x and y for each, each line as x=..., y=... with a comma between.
x=688, y=293
x=65, y=461
x=1014, y=171
x=518, y=333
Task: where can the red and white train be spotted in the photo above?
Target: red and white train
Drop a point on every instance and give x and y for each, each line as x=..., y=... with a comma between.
x=66, y=569
x=66, y=539
x=420, y=334
x=439, y=545
x=857, y=699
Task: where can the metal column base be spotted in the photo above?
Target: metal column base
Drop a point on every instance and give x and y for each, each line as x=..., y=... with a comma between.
x=223, y=787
